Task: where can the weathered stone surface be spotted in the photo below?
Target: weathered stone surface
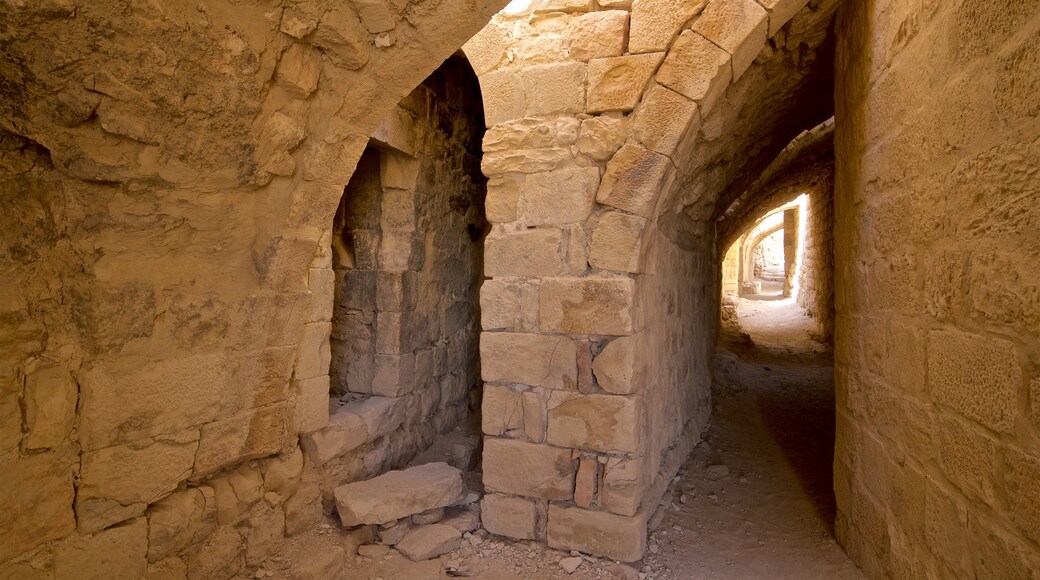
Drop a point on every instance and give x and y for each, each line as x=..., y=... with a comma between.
x=529, y=359
x=585, y=482
x=390, y=535
x=219, y=557
x=428, y=517
x=619, y=537
x=181, y=519
x=1023, y=469
x=50, y=407
x=617, y=83
x=510, y=516
x=697, y=69
x=633, y=179
x=298, y=70
x=36, y=497
x=617, y=242
x=977, y=376
x=598, y=35
x=264, y=532
x=303, y=510
x=117, y=552
x=425, y=542
x=501, y=412
x=487, y=48
x=616, y=368
x=528, y=469
x=319, y=564
x=503, y=195
x=555, y=88
x=559, y=197
x=533, y=252
x=663, y=118
x=311, y=404
x=602, y=136
x=656, y=22
x=251, y=434
x=534, y=416
x=594, y=422
x=738, y=26
x=346, y=431
x=499, y=305
x=282, y=473
x=624, y=484
x=167, y=569
x=586, y=305
x=464, y=518
x=236, y=492
x=504, y=97
x=780, y=12
x=397, y=494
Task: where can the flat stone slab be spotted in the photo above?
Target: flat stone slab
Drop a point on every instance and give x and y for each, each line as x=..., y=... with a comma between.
x=399, y=494
x=425, y=542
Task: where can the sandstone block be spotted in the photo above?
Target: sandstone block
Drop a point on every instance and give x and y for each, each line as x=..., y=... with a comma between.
x=533, y=252
x=340, y=33
x=617, y=242
x=398, y=494
x=219, y=557
x=391, y=535
x=664, y=118
x=528, y=469
x=251, y=434
x=298, y=70
x=501, y=412
x=969, y=459
x=179, y=520
x=485, y=50
x=375, y=15
x=598, y=35
x=505, y=515
x=534, y=416
x=394, y=375
x=425, y=542
x=586, y=305
x=313, y=354
x=303, y=510
x=528, y=134
x=624, y=484
x=311, y=404
x=656, y=22
x=530, y=359
x=696, y=69
x=738, y=26
x=615, y=366
x=503, y=194
x=555, y=88
x=117, y=552
x=346, y=431
x=50, y=407
x=780, y=12
x=977, y=376
x=617, y=83
x=595, y=422
x=464, y=518
x=601, y=533
x=264, y=532
x=585, y=482
x=381, y=414
x=504, y=97
x=319, y=564
x=1023, y=471
x=601, y=136
x=499, y=305
x=633, y=179
x=559, y=197
x=167, y=569
x=428, y=517
x=36, y=497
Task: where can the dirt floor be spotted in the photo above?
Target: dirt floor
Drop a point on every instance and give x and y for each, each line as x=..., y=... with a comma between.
x=754, y=500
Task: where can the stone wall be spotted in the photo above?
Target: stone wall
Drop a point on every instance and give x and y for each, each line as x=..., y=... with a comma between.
x=937, y=223
x=816, y=276
x=169, y=177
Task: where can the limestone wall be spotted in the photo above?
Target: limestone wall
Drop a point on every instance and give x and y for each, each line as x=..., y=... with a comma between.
x=816, y=276
x=938, y=305
x=169, y=177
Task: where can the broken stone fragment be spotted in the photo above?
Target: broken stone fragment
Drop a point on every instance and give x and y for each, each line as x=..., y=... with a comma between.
x=399, y=494
x=427, y=542
x=570, y=564
x=428, y=517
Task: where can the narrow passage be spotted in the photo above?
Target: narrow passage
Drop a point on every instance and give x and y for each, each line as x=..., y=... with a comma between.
x=754, y=500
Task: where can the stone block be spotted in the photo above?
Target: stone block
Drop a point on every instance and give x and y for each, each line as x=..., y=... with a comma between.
x=166, y=569
x=499, y=305
x=396, y=291
x=513, y=517
x=264, y=531
x=633, y=179
x=503, y=195
x=501, y=412
x=559, y=197
x=219, y=557
x=464, y=518
x=392, y=534
x=398, y=494
x=534, y=415
x=738, y=26
x=617, y=83
x=780, y=12
x=526, y=135
x=696, y=69
x=585, y=482
x=594, y=422
x=975, y=375
x=394, y=376
x=529, y=252
x=601, y=533
x=624, y=485
x=381, y=415
x=344, y=40
x=968, y=458
x=503, y=95
x=236, y=492
x=251, y=434
x=311, y=404
x=132, y=476
x=313, y=354
x=1023, y=493
x=555, y=88
x=601, y=136
x=656, y=22
x=346, y=431
x=298, y=70
x=586, y=305
x=598, y=35
x=36, y=497
x=528, y=469
x=376, y=15
x=531, y=359
x=50, y=407
x=426, y=542
x=485, y=50
x=617, y=242
x=664, y=118
x=616, y=368
x=178, y=521
x=303, y=511
x=117, y=552
x=282, y=472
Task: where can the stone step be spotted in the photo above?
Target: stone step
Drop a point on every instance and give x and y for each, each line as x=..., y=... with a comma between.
x=399, y=494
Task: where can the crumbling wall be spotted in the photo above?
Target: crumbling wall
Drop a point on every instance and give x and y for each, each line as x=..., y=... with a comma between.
x=816, y=276
x=937, y=214
x=169, y=175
